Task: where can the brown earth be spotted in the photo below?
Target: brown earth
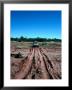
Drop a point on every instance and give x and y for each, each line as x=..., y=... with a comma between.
x=36, y=63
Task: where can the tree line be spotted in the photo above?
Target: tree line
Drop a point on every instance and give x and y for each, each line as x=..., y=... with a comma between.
x=34, y=39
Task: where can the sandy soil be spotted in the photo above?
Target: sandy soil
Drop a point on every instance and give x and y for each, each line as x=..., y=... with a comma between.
x=36, y=63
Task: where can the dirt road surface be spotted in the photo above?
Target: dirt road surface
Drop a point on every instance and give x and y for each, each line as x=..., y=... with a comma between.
x=38, y=64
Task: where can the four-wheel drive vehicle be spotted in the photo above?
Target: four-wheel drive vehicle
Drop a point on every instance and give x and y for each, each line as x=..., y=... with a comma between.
x=35, y=44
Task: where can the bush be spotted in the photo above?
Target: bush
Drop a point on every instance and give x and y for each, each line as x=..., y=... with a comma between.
x=18, y=55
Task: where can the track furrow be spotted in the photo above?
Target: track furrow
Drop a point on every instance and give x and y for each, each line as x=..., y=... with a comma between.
x=53, y=72
x=26, y=68
x=43, y=69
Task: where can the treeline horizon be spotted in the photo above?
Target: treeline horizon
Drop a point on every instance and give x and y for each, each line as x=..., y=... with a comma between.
x=19, y=39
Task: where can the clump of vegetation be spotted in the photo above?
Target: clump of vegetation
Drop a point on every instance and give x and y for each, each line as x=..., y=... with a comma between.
x=18, y=55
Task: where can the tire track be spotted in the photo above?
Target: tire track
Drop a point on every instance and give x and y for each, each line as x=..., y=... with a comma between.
x=26, y=68
x=43, y=69
x=50, y=65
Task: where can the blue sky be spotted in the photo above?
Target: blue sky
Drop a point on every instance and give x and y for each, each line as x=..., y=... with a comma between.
x=31, y=24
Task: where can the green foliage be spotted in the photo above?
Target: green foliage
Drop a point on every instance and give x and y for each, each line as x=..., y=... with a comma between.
x=35, y=39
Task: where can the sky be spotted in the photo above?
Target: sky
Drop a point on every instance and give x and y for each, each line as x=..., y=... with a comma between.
x=32, y=24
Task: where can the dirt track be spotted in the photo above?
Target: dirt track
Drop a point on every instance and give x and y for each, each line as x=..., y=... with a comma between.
x=37, y=65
